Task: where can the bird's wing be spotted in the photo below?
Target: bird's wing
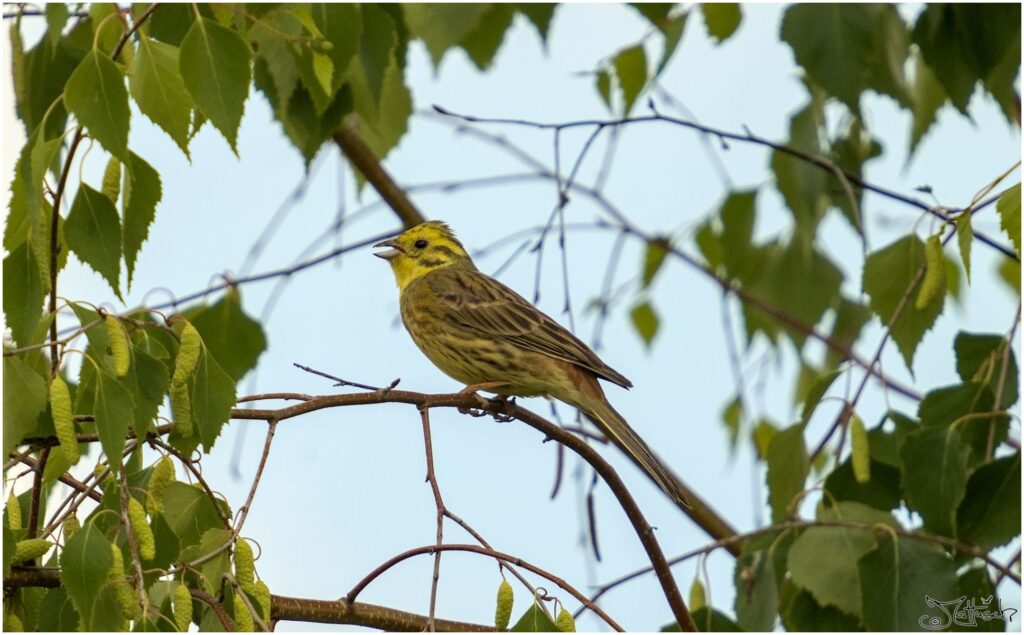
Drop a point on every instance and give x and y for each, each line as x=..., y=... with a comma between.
x=479, y=302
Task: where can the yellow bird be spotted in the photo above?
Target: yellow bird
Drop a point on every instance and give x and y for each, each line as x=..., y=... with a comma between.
x=487, y=336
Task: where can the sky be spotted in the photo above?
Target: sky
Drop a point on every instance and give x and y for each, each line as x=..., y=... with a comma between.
x=344, y=489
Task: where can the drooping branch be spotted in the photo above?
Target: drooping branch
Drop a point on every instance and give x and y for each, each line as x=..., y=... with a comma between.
x=504, y=557
x=290, y=608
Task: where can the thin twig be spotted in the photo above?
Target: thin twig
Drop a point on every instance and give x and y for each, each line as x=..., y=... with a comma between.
x=747, y=137
x=439, y=506
x=133, y=546
x=37, y=489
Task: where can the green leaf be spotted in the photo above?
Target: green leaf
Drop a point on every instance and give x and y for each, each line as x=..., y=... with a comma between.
x=815, y=394
x=975, y=584
x=168, y=546
x=21, y=414
x=215, y=65
x=989, y=515
x=757, y=598
x=96, y=95
x=603, y=83
x=709, y=243
x=980, y=358
x=213, y=396
x=212, y=540
x=881, y=492
x=272, y=39
x=159, y=90
x=23, y=294
x=170, y=22
x=631, y=69
x=762, y=436
x=93, y=233
x=897, y=575
x=708, y=620
x=114, y=408
x=189, y=513
x=788, y=467
x=142, y=192
x=43, y=77
x=850, y=319
x=965, y=43
x=148, y=381
x=927, y=96
x=233, y=338
x=803, y=186
x=378, y=42
x=935, y=475
x=804, y=283
x=57, y=612
x=673, y=33
x=848, y=49
x=800, y=612
x=1008, y=207
x=654, y=12
x=56, y=18
x=823, y=560
x=885, y=446
x=85, y=562
x=1009, y=272
x=483, y=42
x=534, y=620
x=888, y=276
x=738, y=213
x=539, y=14
x=964, y=404
x=442, y=26
x=732, y=416
x=654, y=257
x=341, y=25
x=721, y=19
x=850, y=152
x=645, y=321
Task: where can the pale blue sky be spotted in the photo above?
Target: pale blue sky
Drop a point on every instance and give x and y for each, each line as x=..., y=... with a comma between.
x=344, y=490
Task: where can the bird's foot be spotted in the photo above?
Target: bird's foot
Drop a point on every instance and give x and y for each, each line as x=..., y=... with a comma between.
x=484, y=402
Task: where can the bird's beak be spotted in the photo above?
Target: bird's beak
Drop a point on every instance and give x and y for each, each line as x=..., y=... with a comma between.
x=390, y=254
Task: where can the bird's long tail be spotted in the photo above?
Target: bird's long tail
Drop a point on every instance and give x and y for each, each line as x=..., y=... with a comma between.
x=618, y=431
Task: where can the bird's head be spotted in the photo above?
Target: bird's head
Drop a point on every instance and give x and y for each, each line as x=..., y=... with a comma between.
x=422, y=249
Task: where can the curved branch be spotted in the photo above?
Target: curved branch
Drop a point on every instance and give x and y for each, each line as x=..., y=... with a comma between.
x=748, y=137
x=519, y=562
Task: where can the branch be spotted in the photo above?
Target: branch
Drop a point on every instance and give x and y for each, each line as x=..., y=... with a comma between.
x=65, y=478
x=37, y=489
x=500, y=407
x=289, y=608
x=363, y=158
x=748, y=137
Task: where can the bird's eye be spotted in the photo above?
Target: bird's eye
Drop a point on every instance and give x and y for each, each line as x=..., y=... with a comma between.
x=421, y=243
